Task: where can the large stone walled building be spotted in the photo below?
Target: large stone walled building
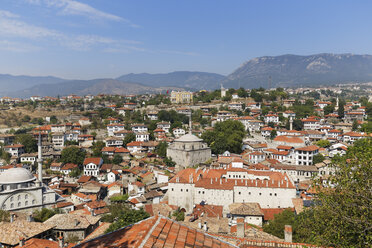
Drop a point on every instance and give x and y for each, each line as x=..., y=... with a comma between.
x=230, y=185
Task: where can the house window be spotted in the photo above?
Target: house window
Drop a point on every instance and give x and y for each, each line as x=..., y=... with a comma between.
x=19, y=204
x=249, y=193
x=181, y=190
x=26, y=203
x=271, y=194
x=275, y=194
x=260, y=193
x=240, y=193
x=187, y=190
x=26, y=196
x=33, y=202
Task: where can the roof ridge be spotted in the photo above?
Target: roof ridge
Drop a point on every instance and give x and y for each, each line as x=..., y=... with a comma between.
x=150, y=232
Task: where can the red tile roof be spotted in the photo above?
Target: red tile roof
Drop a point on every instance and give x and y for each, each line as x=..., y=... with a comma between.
x=156, y=231
x=96, y=161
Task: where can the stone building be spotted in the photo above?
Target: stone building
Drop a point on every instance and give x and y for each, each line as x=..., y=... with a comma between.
x=20, y=190
x=188, y=150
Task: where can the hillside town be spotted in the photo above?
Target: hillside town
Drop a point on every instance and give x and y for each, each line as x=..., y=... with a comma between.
x=182, y=168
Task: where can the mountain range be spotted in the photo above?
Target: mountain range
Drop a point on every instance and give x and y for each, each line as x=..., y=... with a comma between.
x=275, y=71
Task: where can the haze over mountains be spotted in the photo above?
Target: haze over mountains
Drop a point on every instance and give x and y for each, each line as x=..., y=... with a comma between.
x=284, y=71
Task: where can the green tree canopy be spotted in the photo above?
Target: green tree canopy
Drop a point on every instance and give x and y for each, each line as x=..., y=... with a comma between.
x=226, y=136
x=129, y=138
x=73, y=154
x=126, y=218
x=28, y=141
x=344, y=216
x=161, y=149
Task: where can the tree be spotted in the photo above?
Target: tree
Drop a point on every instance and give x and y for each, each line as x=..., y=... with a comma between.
x=179, y=214
x=119, y=198
x=328, y=109
x=126, y=218
x=355, y=125
x=273, y=134
x=28, y=141
x=226, y=136
x=318, y=158
x=129, y=138
x=169, y=162
x=97, y=147
x=53, y=119
x=76, y=172
x=323, y=143
x=4, y=215
x=44, y=214
x=117, y=159
x=344, y=216
x=161, y=149
x=72, y=154
x=276, y=226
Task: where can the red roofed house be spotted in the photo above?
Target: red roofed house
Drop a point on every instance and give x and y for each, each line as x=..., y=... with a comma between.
x=304, y=155
x=311, y=124
x=233, y=185
x=67, y=168
x=15, y=150
x=92, y=166
x=134, y=146
x=136, y=188
x=256, y=157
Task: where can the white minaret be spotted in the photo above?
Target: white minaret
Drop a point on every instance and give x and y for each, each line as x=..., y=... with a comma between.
x=190, y=122
x=39, y=161
x=336, y=108
x=223, y=91
x=290, y=123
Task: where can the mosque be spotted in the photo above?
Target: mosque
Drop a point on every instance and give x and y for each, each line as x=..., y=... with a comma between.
x=20, y=190
x=188, y=150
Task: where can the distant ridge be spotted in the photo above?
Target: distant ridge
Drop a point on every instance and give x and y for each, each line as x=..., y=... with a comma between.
x=296, y=70
x=188, y=79
x=86, y=87
x=283, y=71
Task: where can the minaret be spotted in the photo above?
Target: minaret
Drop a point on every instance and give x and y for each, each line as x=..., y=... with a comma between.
x=223, y=91
x=39, y=161
x=190, y=122
x=290, y=123
x=337, y=102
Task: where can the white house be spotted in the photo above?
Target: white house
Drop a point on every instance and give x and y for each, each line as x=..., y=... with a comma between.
x=92, y=166
x=142, y=136
x=305, y=155
x=114, y=127
x=178, y=132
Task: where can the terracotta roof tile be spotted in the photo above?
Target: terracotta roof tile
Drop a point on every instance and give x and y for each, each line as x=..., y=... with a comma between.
x=156, y=231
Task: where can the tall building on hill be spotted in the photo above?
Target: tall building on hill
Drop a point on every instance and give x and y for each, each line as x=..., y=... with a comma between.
x=181, y=97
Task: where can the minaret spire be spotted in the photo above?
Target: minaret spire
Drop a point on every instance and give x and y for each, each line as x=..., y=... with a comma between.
x=190, y=122
x=39, y=161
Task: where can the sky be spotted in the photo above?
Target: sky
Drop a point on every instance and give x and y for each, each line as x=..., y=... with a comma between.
x=86, y=39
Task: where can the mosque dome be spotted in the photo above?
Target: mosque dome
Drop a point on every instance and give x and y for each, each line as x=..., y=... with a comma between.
x=188, y=138
x=16, y=175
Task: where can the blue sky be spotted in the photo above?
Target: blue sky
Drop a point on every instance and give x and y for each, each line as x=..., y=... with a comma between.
x=107, y=38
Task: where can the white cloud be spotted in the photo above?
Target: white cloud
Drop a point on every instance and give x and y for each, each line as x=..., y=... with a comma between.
x=7, y=14
x=71, y=7
x=178, y=52
x=11, y=26
x=12, y=46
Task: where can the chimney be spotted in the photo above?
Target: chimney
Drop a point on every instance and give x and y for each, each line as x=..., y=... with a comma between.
x=200, y=225
x=205, y=227
x=22, y=241
x=240, y=227
x=61, y=242
x=29, y=218
x=288, y=233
